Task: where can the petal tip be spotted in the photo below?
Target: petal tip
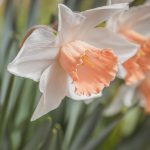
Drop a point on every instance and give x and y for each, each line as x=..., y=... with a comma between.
x=35, y=116
x=11, y=68
x=62, y=7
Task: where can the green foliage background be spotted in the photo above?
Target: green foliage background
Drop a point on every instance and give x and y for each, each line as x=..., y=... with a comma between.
x=74, y=125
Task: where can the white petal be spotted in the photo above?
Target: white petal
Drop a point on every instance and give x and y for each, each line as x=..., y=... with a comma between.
x=72, y=24
x=88, y=101
x=71, y=92
x=129, y=96
x=68, y=23
x=141, y=19
x=104, y=38
x=136, y=18
x=121, y=1
x=54, y=91
x=36, y=54
x=44, y=79
x=147, y=2
x=121, y=72
x=124, y=97
x=100, y=14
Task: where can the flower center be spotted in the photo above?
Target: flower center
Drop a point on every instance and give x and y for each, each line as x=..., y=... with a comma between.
x=138, y=65
x=90, y=68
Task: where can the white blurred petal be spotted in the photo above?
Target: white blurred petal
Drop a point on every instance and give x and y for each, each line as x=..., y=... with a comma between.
x=104, y=38
x=121, y=72
x=124, y=97
x=88, y=101
x=54, y=91
x=147, y=2
x=36, y=54
x=136, y=18
x=100, y=14
x=121, y=1
x=71, y=92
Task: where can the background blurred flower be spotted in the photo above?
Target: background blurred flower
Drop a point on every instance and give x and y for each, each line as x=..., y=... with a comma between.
x=124, y=98
x=127, y=96
x=134, y=26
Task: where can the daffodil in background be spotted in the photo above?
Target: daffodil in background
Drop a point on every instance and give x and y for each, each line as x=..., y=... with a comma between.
x=127, y=96
x=134, y=26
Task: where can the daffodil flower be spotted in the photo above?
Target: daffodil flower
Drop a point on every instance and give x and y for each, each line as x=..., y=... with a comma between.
x=133, y=25
x=78, y=62
x=127, y=96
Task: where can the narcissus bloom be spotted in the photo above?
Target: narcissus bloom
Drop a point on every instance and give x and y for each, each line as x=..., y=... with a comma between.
x=78, y=62
x=134, y=26
x=129, y=95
